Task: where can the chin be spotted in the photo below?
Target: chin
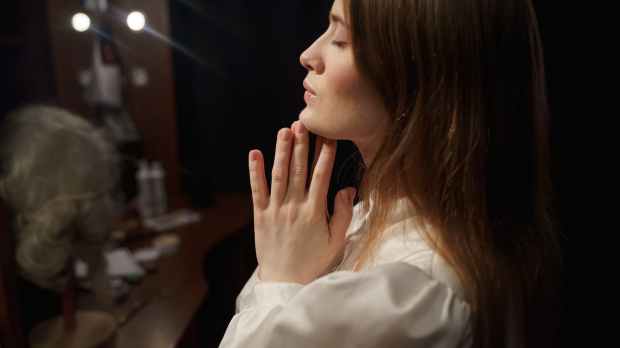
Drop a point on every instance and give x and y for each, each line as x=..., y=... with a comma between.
x=319, y=127
x=307, y=119
x=312, y=124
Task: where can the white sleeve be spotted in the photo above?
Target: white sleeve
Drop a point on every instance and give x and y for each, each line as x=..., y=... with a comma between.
x=392, y=305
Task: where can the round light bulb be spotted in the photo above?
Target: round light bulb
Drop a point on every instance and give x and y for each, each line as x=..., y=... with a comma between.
x=80, y=22
x=136, y=21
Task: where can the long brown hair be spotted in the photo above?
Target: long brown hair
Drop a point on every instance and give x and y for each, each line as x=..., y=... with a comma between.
x=469, y=147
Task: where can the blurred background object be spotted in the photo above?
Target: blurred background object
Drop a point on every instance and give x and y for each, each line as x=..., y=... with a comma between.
x=59, y=179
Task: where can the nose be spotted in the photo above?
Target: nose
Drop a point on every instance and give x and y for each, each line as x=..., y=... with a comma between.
x=311, y=61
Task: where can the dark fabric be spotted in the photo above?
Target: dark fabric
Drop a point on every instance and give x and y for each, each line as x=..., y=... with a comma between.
x=226, y=268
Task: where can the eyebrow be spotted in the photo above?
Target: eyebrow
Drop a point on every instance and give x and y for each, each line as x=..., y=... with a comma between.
x=335, y=18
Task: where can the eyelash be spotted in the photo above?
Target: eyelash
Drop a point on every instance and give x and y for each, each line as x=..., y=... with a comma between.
x=339, y=44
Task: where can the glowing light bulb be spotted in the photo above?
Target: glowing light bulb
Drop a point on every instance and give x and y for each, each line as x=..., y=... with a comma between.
x=80, y=22
x=136, y=21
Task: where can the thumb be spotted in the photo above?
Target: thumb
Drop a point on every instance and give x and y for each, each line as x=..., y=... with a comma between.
x=343, y=212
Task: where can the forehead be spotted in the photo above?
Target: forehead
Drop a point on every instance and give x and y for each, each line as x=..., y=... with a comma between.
x=338, y=13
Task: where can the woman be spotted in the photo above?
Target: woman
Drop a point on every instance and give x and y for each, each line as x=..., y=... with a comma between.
x=452, y=243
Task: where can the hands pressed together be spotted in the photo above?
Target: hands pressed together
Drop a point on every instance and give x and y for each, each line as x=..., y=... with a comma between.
x=296, y=241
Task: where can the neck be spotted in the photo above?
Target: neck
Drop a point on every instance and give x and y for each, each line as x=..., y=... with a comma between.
x=368, y=147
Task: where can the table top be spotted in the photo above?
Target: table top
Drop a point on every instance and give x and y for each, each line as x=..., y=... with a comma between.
x=160, y=308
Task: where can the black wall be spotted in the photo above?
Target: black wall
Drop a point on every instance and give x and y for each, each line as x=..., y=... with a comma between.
x=246, y=84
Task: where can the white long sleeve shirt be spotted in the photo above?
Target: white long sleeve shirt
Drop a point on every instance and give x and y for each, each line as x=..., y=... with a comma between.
x=406, y=297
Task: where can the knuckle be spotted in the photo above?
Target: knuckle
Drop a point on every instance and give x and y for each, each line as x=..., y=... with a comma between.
x=299, y=169
x=278, y=179
x=312, y=213
x=319, y=173
x=277, y=175
x=291, y=213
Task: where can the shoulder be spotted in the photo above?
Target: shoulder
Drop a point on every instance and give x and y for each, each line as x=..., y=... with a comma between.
x=404, y=242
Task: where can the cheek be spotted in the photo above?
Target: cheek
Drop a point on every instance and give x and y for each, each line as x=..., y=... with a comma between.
x=344, y=86
x=355, y=103
x=338, y=111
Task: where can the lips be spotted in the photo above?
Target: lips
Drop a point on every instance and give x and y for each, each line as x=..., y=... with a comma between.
x=309, y=89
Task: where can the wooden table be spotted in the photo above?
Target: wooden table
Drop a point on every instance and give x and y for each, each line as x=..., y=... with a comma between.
x=175, y=291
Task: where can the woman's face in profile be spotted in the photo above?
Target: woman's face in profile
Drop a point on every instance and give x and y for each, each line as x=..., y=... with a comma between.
x=341, y=104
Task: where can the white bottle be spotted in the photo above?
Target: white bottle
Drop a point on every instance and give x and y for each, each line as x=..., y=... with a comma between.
x=160, y=198
x=145, y=191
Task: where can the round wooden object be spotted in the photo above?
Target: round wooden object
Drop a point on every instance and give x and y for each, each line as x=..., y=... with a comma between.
x=94, y=329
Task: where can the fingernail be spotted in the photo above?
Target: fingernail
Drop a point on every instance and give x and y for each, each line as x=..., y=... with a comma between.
x=300, y=127
x=286, y=135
